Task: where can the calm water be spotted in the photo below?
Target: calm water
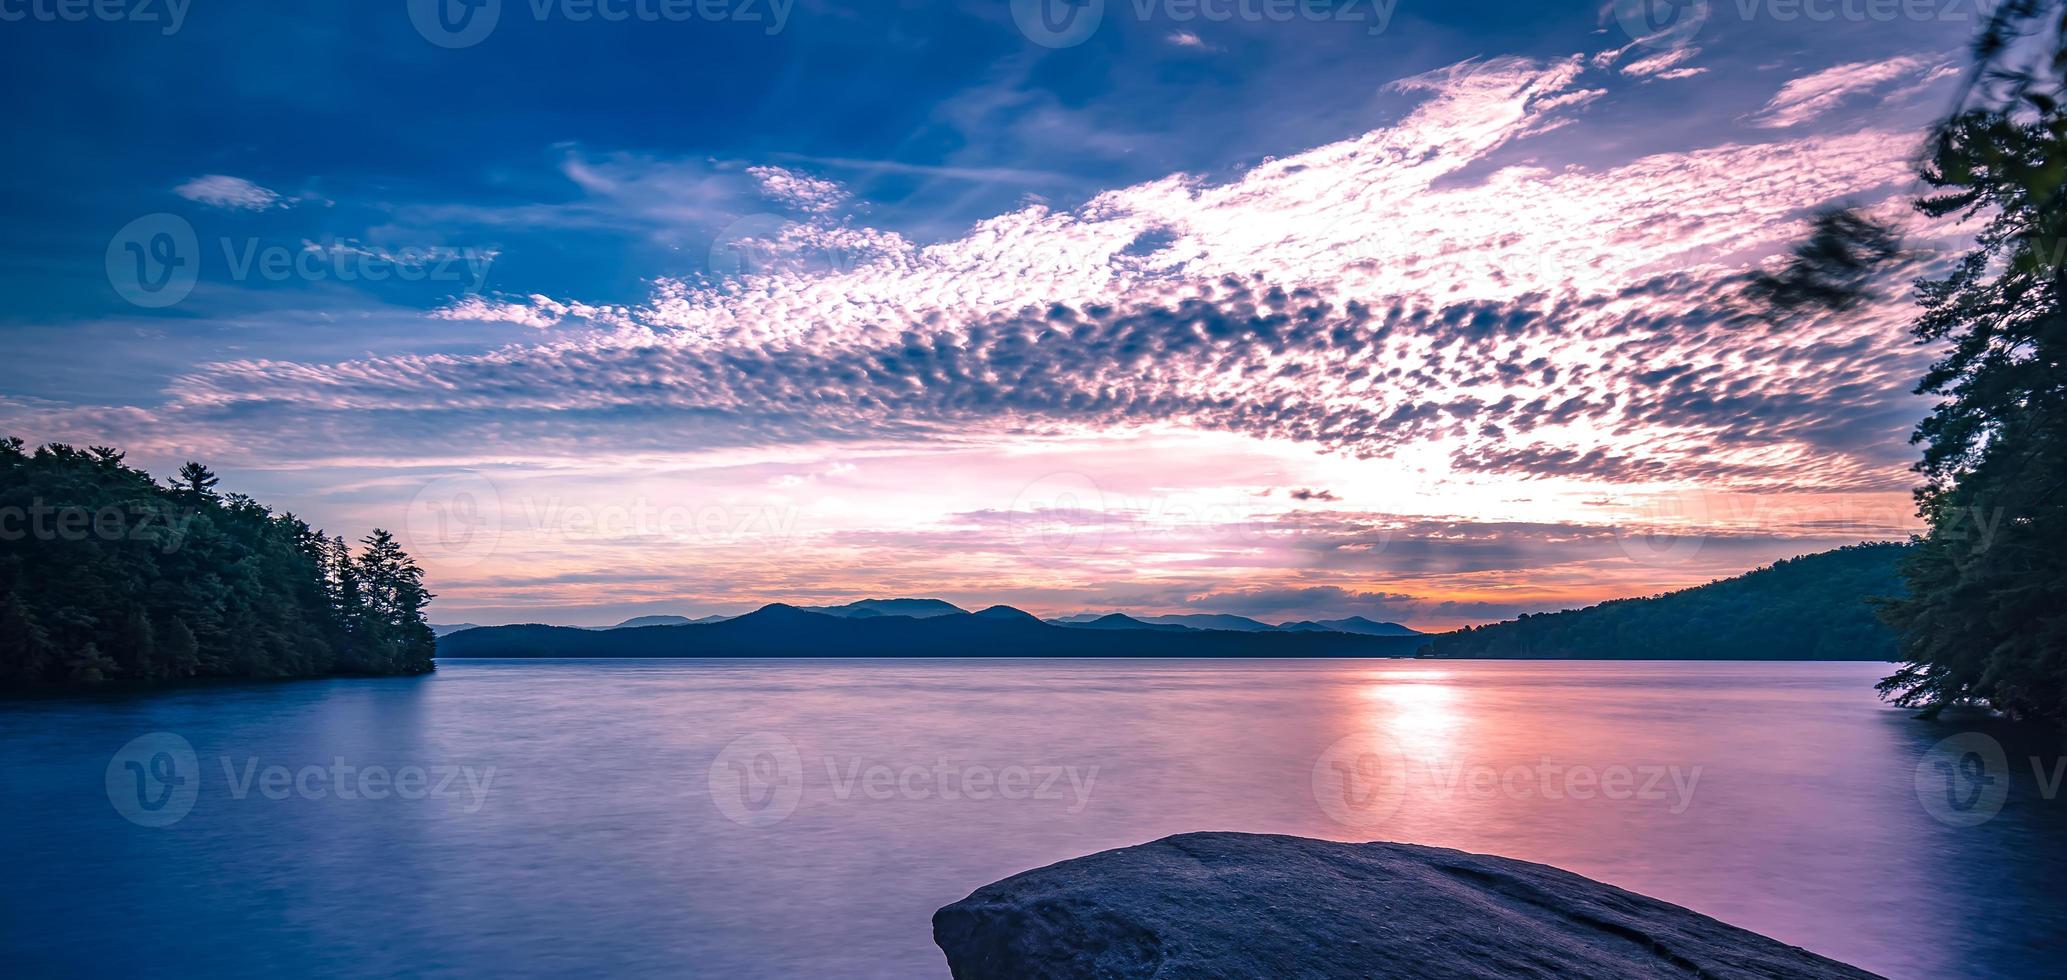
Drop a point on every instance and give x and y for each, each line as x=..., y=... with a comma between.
x=1780, y=797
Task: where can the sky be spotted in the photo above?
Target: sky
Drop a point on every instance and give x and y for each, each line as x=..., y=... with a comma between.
x=1412, y=310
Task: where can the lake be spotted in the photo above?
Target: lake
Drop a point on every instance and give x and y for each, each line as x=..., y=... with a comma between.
x=761, y=818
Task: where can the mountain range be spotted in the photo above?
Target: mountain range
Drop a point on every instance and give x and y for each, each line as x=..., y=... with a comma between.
x=781, y=630
x=1221, y=621
x=1816, y=607
x=928, y=608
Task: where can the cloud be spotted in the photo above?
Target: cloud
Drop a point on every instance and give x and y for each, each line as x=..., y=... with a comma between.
x=1188, y=39
x=1381, y=296
x=1308, y=494
x=799, y=192
x=1664, y=64
x=1811, y=96
x=232, y=193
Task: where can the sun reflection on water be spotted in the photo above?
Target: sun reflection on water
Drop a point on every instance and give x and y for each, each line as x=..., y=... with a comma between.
x=1421, y=712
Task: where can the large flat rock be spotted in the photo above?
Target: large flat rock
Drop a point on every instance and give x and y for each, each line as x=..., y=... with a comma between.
x=1251, y=905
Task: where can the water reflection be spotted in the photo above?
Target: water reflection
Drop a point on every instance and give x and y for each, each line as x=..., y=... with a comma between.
x=1780, y=797
x=1419, y=712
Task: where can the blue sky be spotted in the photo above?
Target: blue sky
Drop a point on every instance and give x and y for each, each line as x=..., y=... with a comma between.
x=597, y=243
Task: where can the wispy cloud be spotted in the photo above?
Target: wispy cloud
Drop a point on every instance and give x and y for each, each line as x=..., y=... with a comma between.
x=234, y=193
x=1812, y=96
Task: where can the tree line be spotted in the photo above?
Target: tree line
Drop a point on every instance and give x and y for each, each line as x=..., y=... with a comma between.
x=1810, y=608
x=107, y=575
x=1983, y=616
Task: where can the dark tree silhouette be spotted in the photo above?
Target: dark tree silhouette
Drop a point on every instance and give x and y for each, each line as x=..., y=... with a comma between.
x=1985, y=615
x=106, y=575
x=1810, y=608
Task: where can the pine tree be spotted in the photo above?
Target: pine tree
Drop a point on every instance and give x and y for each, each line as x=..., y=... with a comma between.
x=1986, y=615
x=195, y=479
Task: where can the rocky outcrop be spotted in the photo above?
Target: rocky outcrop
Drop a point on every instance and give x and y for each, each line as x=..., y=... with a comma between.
x=1248, y=905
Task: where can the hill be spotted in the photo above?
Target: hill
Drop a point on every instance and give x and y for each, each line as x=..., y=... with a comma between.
x=117, y=577
x=915, y=608
x=1808, y=608
x=1354, y=624
x=1121, y=621
x=789, y=631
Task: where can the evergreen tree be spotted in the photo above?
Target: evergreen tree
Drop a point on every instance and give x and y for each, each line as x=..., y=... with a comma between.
x=1986, y=615
x=188, y=582
x=195, y=479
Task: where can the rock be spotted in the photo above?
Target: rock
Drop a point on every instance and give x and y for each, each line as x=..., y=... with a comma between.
x=1251, y=905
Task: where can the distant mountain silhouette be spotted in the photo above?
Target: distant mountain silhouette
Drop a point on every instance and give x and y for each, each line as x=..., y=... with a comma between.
x=1007, y=613
x=1220, y=621
x=636, y=621
x=1209, y=621
x=1354, y=624
x=915, y=608
x=999, y=631
x=438, y=630
x=1120, y=621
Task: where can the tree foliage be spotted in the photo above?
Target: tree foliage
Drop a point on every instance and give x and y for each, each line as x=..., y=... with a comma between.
x=1810, y=608
x=107, y=575
x=1986, y=615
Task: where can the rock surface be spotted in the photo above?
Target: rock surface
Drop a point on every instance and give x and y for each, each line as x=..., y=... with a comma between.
x=1249, y=905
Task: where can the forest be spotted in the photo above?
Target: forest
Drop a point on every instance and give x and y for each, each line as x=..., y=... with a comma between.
x=1816, y=607
x=106, y=575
